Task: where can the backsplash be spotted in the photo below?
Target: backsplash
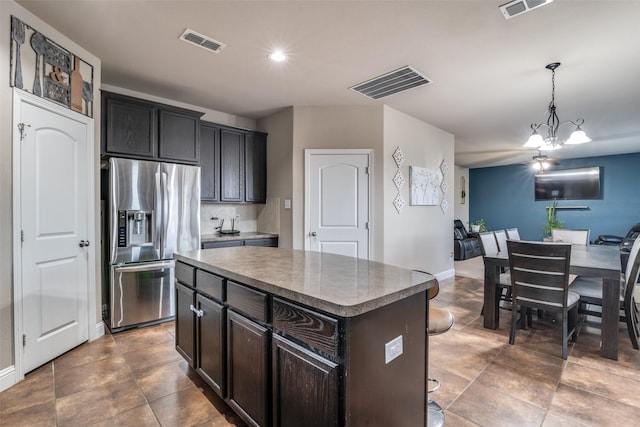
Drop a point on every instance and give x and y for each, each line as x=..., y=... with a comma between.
x=249, y=218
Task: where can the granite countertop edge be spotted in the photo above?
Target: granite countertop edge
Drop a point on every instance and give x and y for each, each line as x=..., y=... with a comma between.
x=313, y=301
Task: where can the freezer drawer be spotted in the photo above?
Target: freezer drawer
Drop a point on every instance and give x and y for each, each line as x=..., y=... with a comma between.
x=141, y=294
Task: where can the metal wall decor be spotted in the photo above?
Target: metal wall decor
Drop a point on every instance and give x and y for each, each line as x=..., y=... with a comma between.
x=59, y=75
x=398, y=180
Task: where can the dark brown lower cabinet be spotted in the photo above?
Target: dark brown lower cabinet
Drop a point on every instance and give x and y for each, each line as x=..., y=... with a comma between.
x=210, y=338
x=248, y=369
x=305, y=387
x=185, y=323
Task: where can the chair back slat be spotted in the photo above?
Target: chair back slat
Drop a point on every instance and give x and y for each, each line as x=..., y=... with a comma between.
x=488, y=243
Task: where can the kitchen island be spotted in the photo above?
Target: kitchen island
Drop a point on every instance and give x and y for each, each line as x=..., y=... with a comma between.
x=296, y=338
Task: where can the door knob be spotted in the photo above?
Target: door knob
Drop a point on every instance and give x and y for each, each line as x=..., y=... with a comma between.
x=84, y=243
x=313, y=234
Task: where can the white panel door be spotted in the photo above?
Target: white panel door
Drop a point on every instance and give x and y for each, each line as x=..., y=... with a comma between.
x=338, y=203
x=54, y=222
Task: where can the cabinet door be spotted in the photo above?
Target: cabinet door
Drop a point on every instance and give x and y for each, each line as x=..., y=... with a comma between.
x=128, y=126
x=256, y=167
x=231, y=165
x=247, y=369
x=179, y=137
x=210, y=334
x=305, y=387
x=185, y=323
x=209, y=163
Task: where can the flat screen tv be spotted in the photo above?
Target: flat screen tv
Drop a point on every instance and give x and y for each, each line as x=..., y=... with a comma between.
x=568, y=184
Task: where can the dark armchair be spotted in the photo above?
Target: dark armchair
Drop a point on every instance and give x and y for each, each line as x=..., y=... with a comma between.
x=625, y=243
x=464, y=246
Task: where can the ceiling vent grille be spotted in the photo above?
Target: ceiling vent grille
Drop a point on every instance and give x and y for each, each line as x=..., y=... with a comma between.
x=518, y=7
x=202, y=41
x=393, y=82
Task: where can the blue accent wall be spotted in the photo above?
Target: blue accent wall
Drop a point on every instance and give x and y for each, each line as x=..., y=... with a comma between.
x=504, y=197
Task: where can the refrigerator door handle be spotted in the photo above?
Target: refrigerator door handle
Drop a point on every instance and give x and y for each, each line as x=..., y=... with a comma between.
x=144, y=267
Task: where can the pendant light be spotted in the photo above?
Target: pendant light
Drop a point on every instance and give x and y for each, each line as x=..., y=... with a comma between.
x=551, y=141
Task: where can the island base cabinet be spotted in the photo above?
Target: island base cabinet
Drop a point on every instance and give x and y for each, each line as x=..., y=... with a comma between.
x=185, y=323
x=305, y=387
x=210, y=338
x=248, y=373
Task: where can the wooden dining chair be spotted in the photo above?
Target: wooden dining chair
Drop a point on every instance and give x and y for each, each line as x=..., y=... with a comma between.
x=573, y=236
x=501, y=239
x=489, y=245
x=540, y=280
x=513, y=234
x=590, y=291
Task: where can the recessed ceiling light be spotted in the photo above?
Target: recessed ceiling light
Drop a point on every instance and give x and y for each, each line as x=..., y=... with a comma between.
x=277, y=56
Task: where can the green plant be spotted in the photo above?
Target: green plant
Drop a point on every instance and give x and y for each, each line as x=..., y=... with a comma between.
x=482, y=225
x=552, y=219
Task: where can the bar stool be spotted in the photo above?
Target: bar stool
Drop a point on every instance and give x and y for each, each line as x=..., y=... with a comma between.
x=439, y=322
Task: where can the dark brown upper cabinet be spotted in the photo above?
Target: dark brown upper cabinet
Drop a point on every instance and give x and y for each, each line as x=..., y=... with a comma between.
x=140, y=129
x=233, y=164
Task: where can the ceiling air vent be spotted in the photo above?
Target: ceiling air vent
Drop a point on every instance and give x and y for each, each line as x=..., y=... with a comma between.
x=202, y=41
x=390, y=83
x=518, y=7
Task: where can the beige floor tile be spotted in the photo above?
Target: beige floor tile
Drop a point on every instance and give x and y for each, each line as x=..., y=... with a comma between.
x=154, y=355
x=592, y=409
x=142, y=416
x=188, y=407
x=492, y=408
x=102, y=348
x=158, y=381
x=99, y=403
x=91, y=375
x=41, y=415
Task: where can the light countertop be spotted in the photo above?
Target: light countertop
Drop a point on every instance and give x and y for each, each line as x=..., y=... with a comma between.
x=339, y=285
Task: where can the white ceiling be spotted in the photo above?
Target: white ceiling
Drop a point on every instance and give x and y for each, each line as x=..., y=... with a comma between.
x=489, y=81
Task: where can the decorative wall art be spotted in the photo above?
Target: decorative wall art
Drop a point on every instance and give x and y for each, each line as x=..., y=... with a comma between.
x=424, y=185
x=58, y=75
x=398, y=180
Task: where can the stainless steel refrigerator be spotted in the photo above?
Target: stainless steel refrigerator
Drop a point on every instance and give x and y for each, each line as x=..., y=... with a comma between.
x=153, y=211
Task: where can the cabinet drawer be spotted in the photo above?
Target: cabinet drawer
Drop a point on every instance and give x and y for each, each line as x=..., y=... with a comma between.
x=210, y=284
x=185, y=273
x=247, y=301
x=314, y=329
x=267, y=242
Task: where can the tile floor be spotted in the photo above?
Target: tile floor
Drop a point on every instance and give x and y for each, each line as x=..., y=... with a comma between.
x=136, y=378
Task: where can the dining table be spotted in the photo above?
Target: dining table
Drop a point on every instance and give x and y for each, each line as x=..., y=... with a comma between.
x=586, y=260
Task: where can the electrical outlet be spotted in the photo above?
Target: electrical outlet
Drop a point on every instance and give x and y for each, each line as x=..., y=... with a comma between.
x=287, y=203
x=392, y=349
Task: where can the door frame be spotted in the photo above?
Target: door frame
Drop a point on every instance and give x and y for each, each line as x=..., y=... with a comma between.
x=307, y=187
x=20, y=96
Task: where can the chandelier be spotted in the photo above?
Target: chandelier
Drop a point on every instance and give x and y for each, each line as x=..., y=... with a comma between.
x=551, y=141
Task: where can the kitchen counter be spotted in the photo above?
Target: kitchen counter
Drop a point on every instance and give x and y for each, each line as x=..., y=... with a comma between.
x=339, y=285
x=216, y=237
x=322, y=339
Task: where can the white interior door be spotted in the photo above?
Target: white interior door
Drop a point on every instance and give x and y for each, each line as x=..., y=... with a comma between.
x=54, y=195
x=337, y=202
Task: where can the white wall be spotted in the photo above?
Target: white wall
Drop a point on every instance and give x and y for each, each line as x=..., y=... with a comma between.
x=336, y=127
x=279, y=126
x=420, y=237
x=8, y=8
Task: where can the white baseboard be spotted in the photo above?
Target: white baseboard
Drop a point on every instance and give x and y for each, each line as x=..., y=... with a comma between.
x=7, y=378
x=99, y=330
x=447, y=274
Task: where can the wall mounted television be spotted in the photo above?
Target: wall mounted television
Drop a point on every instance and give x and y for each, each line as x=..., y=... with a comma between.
x=568, y=184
